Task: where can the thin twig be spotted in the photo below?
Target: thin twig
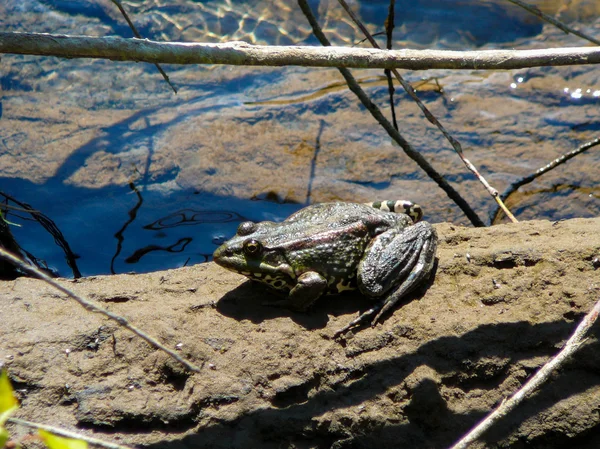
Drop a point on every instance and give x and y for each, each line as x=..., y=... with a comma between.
x=391, y=91
x=242, y=53
x=8, y=207
x=67, y=433
x=557, y=23
x=434, y=121
x=389, y=29
x=572, y=345
x=545, y=169
x=139, y=36
x=94, y=308
x=393, y=133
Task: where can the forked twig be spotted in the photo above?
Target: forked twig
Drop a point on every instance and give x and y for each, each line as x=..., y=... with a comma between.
x=455, y=143
x=393, y=133
x=67, y=433
x=545, y=169
x=139, y=36
x=572, y=345
x=87, y=305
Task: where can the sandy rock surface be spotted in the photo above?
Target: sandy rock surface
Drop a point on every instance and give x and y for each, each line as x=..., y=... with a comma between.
x=503, y=301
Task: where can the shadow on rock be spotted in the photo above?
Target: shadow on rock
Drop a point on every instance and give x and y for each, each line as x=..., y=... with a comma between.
x=256, y=302
x=418, y=413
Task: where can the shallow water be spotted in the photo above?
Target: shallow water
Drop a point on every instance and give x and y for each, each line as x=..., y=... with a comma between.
x=140, y=179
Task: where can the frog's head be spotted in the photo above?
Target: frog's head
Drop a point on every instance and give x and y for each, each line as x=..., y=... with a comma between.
x=248, y=253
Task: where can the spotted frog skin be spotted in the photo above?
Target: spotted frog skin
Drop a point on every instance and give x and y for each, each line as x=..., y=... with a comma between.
x=380, y=248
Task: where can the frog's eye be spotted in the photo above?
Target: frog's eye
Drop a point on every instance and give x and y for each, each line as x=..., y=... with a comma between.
x=246, y=228
x=252, y=247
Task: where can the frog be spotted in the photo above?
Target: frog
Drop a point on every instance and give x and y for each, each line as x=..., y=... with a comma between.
x=382, y=248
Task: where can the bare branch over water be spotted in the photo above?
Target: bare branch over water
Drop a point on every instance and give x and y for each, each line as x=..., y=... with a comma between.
x=242, y=53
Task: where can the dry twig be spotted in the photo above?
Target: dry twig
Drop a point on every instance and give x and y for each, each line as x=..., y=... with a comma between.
x=389, y=29
x=572, y=345
x=67, y=433
x=139, y=36
x=242, y=53
x=432, y=119
x=87, y=305
x=545, y=169
x=393, y=133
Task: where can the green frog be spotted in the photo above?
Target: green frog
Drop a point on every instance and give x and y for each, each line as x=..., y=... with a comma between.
x=381, y=248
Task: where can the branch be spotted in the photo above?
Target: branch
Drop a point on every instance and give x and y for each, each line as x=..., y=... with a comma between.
x=91, y=307
x=545, y=169
x=572, y=345
x=389, y=29
x=432, y=119
x=139, y=36
x=392, y=132
x=242, y=53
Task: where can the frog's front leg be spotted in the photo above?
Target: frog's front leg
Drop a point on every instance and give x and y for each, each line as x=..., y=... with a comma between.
x=394, y=263
x=309, y=286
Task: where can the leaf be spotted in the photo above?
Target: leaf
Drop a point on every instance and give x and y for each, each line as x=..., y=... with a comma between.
x=8, y=401
x=3, y=436
x=56, y=442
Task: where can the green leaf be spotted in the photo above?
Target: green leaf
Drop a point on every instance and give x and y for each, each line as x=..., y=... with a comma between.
x=56, y=442
x=8, y=401
x=3, y=436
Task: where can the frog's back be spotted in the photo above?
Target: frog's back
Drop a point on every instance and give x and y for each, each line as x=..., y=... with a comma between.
x=331, y=238
x=342, y=213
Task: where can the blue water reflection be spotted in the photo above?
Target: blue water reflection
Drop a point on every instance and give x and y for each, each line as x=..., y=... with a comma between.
x=121, y=229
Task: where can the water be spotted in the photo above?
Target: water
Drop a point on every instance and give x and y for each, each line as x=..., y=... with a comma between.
x=117, y=229
x=139, y=179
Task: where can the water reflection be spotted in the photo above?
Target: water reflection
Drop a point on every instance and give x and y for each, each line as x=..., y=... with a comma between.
x=137, y=178
x=190, y=217
x=113, y=231
x=418, y=22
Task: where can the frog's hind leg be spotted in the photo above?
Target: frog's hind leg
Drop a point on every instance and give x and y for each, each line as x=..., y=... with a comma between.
x=419, y=273
x=409, y=256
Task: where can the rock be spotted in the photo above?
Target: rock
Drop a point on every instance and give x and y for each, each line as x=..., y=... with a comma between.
x=504, y=300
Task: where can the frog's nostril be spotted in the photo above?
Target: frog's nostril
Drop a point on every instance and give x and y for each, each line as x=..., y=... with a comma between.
x=219, y=252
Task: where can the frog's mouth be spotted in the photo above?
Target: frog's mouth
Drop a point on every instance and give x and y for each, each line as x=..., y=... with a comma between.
x=278, y=280
x=279, y=277
x=258, y=269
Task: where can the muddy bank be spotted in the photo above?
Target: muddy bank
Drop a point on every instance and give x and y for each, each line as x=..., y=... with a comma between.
x=503, y=301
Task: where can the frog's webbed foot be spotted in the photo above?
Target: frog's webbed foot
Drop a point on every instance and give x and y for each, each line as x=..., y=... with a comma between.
x=396, y=263
x=361, y=319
